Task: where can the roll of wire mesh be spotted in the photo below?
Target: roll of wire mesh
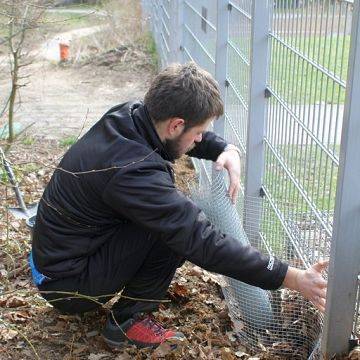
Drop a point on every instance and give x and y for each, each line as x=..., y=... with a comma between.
x=280, y=322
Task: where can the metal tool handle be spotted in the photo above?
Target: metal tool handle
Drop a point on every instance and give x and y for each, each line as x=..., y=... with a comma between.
x=11, y=176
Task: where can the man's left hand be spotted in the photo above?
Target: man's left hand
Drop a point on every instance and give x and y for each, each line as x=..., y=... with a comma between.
x=230, y=160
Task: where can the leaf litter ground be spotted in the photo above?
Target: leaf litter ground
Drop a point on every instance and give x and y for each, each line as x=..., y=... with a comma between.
x=30, y=328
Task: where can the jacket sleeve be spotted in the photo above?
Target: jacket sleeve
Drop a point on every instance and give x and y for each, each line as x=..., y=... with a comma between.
x=209, y=148
x=146, y=195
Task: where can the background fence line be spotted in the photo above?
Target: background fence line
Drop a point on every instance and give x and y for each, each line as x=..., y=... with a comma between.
x=282, y=66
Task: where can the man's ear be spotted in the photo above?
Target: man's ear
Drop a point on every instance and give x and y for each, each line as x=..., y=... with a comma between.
x=175, y=127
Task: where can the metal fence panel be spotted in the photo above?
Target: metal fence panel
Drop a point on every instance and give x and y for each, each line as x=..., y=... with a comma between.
x=305, y=110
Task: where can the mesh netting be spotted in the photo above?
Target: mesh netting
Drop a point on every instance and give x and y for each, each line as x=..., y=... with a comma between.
x=280, y=322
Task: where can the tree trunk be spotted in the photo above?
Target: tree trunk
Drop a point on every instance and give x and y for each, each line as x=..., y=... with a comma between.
x=14, y=86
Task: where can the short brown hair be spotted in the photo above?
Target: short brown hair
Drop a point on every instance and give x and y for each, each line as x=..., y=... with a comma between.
x=184, y=91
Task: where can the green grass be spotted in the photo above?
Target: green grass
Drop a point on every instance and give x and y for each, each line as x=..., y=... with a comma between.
x=148, y=40
x=81, y=7
x=3, y=26
x=27, y=168
x=316, y=174
x=29, y=140
x=68, y=141
x=294, y=79
x=53, y=22
x=304, y=163
x=273, y=233
x=19, y=171
x=69, y=20
x=3, y=175
x=299, y=82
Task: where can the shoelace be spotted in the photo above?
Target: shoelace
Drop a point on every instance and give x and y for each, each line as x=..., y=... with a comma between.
x=155, y=326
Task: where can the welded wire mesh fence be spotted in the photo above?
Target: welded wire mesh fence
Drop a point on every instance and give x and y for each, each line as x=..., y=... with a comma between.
x=307, y=88
x=285, y=93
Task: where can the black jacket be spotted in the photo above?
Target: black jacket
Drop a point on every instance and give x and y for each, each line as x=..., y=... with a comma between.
x=80, y=209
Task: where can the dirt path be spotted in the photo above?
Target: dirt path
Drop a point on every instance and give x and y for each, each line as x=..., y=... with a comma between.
x=60, y=100
x=63, y=99
x=78, y=11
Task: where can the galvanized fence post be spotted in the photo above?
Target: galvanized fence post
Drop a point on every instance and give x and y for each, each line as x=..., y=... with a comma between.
x=180, y=30
x=259, y=63
x=176, y=30
x=345, y=247
x=222, y=35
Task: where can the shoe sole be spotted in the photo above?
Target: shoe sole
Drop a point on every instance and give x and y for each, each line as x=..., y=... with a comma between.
x=173, y=342
x=126, y=343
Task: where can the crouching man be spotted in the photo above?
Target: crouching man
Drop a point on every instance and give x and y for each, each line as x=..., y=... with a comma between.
x=111, y=217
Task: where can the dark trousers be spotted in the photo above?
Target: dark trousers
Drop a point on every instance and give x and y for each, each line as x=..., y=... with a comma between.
x=135, y=260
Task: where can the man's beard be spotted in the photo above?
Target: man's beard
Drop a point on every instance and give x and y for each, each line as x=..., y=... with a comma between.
x=173, y=148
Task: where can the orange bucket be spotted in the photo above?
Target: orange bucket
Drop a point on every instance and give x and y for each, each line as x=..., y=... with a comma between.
x=64, y=52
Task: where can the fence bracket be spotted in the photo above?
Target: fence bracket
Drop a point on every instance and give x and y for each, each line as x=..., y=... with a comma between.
x=267, y=93
x=261, y=192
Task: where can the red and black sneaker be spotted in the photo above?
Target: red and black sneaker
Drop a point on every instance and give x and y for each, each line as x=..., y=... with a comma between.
x=142, y=331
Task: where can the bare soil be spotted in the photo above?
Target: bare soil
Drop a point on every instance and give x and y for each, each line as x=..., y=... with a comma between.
x=63, y=100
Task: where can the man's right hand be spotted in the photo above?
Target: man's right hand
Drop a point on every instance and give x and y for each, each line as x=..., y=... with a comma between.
x=310, y=283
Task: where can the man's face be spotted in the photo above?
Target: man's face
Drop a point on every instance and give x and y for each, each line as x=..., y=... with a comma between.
x=186, y=141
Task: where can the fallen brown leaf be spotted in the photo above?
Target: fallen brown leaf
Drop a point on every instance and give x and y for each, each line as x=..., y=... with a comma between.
x=79, y=349
x=18, y=316
x=179, y=293
x=123, y=356
x=227, y=354
x=355, y=354
x=98, y=356
x=7, y=334
x=161, y=351
x=15, y=301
